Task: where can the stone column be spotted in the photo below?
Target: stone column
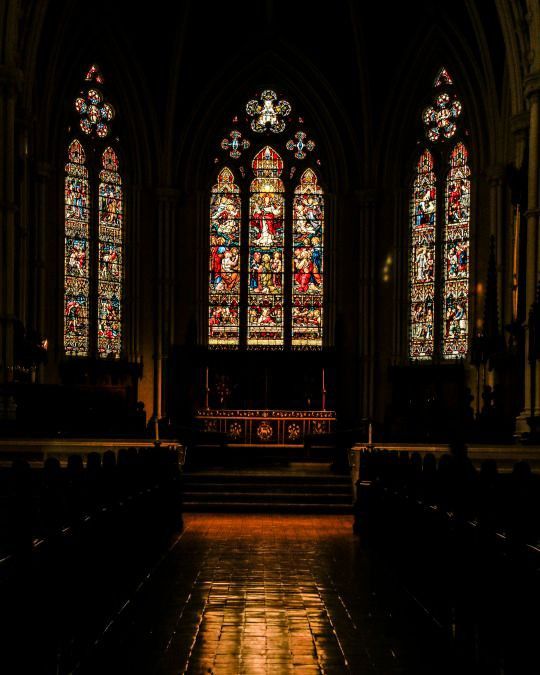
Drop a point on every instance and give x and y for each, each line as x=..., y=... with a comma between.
x=366, y=299
x=39, y=278
x=165, y=280
x=532, y=372
x=10, y=80
x=503, y=240
x=132, y=298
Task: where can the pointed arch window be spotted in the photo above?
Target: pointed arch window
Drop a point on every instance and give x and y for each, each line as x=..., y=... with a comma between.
x=439, y=232
x=266, y=268
x=224, y=269
x=94, y=229
x=76, y=249
x=266, y=248
x=308, y=255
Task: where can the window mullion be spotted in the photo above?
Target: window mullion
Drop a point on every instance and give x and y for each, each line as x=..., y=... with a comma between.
x=440, y=309
x=244, y=266
x=94, y=254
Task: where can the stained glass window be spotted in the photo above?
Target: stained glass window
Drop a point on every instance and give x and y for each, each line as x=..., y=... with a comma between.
x=439, y=231
x=422, y=259
x=266, y=245
x=224, y=263
x=456, y=254
x=94, y=231
x=110, y=273
x=440, y=118
x=266, y=235
x=308, y=231
x=95, y=114
x=76, y=253
x=268, y=113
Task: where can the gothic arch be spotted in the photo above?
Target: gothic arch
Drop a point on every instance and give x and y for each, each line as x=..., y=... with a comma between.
x=224, y=92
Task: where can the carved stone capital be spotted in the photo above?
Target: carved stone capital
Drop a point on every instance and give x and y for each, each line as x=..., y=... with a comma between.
x=532, y=85
x=11, y=79
x=519, y=124
x=495, y=173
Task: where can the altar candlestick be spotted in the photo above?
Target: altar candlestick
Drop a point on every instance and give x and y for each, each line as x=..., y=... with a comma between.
x=370, y=434
x=323, y=391
x=206, y=390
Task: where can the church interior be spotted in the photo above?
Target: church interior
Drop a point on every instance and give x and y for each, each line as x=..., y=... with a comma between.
x=270, y=337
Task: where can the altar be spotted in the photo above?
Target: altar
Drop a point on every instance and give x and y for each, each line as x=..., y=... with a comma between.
x=267, y=427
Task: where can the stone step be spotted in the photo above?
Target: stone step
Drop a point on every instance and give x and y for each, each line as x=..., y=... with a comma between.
x=266, y=507
x=242, y=477
x=289, y=488
x=256, y=497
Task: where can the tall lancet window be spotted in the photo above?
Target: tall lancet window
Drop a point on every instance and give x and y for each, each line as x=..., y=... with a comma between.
x=76, y=253
x=94, y=229
x=224, y=264
x=439, y=232
x=308, y=236
x=422, y=262
x=456, y=254
x=109, y=328
x=266, y=233
x=266, y=247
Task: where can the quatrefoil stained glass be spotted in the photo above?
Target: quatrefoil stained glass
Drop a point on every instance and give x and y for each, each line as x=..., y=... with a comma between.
x=268, y=113
x=95, y=113
x=440, y=118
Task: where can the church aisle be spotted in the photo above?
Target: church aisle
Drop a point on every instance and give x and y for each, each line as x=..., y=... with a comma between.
x=268, y=594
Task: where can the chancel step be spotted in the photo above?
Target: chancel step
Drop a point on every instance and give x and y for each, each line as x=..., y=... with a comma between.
x=296, y=488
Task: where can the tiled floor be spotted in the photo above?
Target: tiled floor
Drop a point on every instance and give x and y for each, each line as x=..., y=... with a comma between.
x=265, y=594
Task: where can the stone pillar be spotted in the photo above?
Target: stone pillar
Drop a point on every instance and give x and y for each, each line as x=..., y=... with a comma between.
x=366, y=299
x=502, y=237
x=531, y=410
x=10, y=79
x=396, y=270
x=39, y=278
x=133, y=297
x=503, y=240
x=165, y=281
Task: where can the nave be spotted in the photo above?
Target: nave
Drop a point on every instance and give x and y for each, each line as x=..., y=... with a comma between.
x=106, y=567
x=270, y=594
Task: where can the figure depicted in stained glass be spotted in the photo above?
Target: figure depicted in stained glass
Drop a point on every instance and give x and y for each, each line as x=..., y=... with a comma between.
x=425, y=264
x=109, y=321
x=267, y=217
x=77, y=257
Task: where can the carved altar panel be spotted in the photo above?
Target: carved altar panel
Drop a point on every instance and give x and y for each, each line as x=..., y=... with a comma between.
x=267, y=427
